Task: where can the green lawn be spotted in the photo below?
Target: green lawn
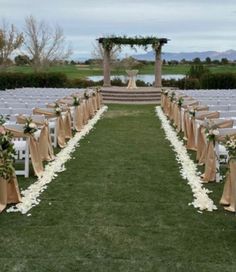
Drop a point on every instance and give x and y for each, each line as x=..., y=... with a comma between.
x=73, y=71
x=120, y=206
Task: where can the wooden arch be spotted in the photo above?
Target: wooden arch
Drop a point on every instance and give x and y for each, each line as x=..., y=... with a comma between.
x=109, y=42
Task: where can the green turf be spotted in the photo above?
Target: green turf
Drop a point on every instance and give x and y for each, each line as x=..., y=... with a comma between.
x=120, y=206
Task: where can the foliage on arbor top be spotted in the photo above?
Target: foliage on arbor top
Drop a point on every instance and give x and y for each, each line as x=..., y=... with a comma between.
x=110, y=41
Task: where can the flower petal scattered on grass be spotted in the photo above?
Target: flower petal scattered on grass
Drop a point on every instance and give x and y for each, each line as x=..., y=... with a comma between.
x=30, y=196
x=188, y=168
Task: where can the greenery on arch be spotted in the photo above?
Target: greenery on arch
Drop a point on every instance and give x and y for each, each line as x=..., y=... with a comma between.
x=110, y=41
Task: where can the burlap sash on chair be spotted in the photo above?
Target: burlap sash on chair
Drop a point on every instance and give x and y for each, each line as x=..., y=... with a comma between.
x=45, y=143
x=49, y=113
x=67, y=125
x=9, y=192
x=90, y=107
x=85, y=111
x=191, y=127
x=184, y=106
x=99, y=99
x=229, y=192
x=78, y=117
x=33, y=147
x=94, y=101
x=201, y=139
x=210, y=164
x=61, y=138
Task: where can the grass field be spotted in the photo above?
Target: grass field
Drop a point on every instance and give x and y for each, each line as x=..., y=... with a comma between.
x=120, y=206
x=83, y=71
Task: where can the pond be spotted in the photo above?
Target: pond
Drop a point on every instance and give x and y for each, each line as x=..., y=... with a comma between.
x=146, y=78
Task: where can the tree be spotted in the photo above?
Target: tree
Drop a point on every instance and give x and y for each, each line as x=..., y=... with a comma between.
x=10, y=41
x=208, y=60
x=224, y=61
x=44, y=43
x=197, y=71
x=22, y=60
x=98, y=53
x=197, y=61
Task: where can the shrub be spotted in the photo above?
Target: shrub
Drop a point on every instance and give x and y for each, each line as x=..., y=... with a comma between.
x=218, y=81
x=19, y=80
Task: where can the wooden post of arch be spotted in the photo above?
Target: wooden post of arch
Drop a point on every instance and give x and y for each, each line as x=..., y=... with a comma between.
x=158, y=67
x=106, y=68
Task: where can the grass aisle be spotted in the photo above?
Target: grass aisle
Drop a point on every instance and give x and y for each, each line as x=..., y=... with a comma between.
x=120, y=206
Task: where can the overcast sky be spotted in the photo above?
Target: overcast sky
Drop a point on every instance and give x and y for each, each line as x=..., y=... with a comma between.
x=191, y=25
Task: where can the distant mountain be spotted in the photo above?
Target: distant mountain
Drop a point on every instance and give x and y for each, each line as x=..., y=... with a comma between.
x=214, y=55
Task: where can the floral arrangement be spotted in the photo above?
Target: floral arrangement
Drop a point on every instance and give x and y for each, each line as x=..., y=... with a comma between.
x=172, y=96
x=57, y=109
x=7, y=153
x=86, y=95
x=30, y=127
x=3, y=119
x=230, y=145
x=211, y=130
x=192, y=112
x=180, y=101
x=76, y=101
x=165, y=92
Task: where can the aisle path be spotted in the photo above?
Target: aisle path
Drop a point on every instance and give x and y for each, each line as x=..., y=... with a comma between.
x=120, y=206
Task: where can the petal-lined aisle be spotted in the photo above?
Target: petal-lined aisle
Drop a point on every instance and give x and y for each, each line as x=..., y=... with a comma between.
x=120, y=206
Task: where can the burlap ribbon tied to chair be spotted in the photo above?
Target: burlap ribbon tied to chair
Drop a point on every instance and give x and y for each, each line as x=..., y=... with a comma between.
x=91, y=110
x=78, y=117
x=201, y=138
x=45, y=143
x=60, y=127
x=99, y=100
x=229, y=192
x=211, y=157
x=185, y=106
x=94, y=102
x=191, y=125
x=67, y=125
x=85, y=107
x=18, y=132
x=9, y=192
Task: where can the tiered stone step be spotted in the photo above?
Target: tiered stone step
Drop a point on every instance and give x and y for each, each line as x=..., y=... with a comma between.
x=121, y=95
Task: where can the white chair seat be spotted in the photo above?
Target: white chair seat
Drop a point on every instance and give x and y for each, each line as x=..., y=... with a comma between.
x=20, y=145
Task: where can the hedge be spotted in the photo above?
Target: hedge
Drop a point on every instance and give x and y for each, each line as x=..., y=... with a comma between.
x=19, y=80
x=60, y=80
x=218, y=81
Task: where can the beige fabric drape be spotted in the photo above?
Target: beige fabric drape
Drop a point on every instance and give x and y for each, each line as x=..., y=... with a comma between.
x=45, y=143
x=229, y=192
x=85, y=111
x=191, y=126
x=201, y=139
x=68, y=125
x=60, y=128
x=33, y=148
x=61, y=137
x=210, y=164
x=9, y=192
x=78, y=117
x=191, y=134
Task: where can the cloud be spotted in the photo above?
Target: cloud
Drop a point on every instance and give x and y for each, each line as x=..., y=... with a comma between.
x=190, y=24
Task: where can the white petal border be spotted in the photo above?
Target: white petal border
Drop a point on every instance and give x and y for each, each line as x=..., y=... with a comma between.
x=30, y=196
x=188, y=168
